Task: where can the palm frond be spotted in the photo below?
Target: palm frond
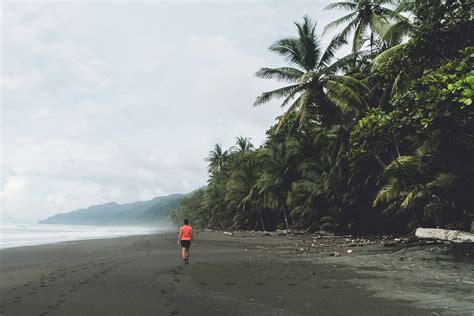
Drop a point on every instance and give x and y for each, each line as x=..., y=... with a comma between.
x=341, y=5
x=278, y=93
x=348, y=60
x=308, y=44
x=357, y=88
x=289, y=74
x=331, y=49
x=288, y=48
x=344, y=96
x=397, y=31
x=402, y=161
x=341, y=21
x=386, y=194
x=443, y=181
x=378, y=24
x=385, y=56
x=291, y=109
x=358, y=36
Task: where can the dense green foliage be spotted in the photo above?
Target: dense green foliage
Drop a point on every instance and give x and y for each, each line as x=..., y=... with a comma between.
x=347, y=158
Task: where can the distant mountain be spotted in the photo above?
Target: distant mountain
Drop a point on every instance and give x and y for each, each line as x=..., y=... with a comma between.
x=137, y=213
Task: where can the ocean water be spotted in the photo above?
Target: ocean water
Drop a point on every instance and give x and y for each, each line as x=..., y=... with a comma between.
x=15, y=235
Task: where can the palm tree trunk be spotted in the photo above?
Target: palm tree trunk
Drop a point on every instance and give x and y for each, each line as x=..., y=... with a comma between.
x=371, y=42
x=284, y=215
x=261, y=219
x=379, y=160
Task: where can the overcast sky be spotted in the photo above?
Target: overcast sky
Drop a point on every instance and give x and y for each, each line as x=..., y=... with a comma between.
x=122, y=101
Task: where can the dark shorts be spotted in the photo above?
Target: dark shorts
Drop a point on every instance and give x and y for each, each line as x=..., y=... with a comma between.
x=185, y=243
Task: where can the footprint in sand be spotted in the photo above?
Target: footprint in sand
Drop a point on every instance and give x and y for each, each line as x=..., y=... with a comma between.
x=231, y=283
x=291, y=284
x=258, y=283
x=202, y=283
x=174, y=312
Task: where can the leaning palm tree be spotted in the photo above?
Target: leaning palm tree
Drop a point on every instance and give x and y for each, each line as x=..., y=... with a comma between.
x=365, y=16
x=315, y=91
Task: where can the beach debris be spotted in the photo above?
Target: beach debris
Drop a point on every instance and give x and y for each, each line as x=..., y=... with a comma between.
x=229, y=233
x=282, y=232
x=389, y=243
x=267, y=233
x=334, y=254
x=455, y=236
x=298, y=232
x=401, y=259
x=246, y=250
x=349, y=251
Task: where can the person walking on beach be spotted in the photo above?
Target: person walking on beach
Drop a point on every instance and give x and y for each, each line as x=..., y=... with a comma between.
x=185, y=238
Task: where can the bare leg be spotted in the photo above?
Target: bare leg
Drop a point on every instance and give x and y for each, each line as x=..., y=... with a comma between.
x=183, y=253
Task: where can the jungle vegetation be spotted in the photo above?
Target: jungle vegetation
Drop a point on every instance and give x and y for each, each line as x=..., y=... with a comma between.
x=380, y=140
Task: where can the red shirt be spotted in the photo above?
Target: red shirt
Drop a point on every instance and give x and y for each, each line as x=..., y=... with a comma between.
x=185, y=232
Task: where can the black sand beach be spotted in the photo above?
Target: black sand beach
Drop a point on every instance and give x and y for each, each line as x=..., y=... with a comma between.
x=245, y=274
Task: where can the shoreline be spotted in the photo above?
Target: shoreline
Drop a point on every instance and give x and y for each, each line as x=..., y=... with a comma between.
x=247, y=273
x=23, y=235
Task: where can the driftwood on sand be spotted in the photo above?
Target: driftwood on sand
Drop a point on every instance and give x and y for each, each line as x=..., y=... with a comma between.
x=456, y=236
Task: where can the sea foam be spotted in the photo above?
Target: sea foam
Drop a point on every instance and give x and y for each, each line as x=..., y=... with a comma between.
x=15, y=235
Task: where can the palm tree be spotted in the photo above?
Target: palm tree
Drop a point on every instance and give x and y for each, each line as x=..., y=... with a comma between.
x=241, y=194
x=217, y=158
x=243, y=145
x=408, y=187
x=275, y=182
x=366, y=15
x=315, y=91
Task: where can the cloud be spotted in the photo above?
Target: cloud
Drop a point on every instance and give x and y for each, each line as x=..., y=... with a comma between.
x=121, y=101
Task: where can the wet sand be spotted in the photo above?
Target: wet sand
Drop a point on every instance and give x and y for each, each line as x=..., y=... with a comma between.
x=245, y=274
